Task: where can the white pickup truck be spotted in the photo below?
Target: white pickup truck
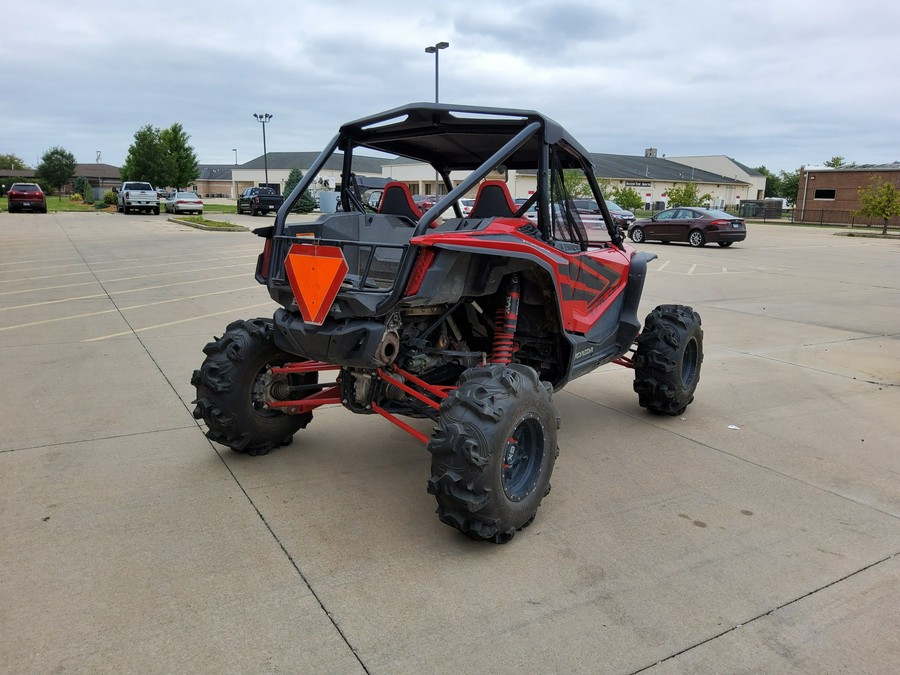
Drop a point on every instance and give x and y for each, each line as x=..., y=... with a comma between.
x=137, y=196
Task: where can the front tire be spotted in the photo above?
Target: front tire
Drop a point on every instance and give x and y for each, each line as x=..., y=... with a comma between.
x=668, y=359
x=493, y=451
x=637, y=235
x=234, y=381
x=696, y=238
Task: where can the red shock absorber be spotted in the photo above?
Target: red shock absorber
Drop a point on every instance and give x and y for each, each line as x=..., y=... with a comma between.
x=505, y=325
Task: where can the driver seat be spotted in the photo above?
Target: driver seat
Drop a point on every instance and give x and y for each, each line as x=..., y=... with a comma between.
x=493, y=201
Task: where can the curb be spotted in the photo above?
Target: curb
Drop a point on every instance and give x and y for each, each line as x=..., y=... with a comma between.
x=207, y=228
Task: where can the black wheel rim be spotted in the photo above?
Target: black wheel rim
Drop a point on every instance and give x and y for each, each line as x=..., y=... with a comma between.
x=689, y=363
x=522, y=459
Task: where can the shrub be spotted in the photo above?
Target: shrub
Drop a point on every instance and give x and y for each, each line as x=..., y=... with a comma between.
x=109, y=197
x=83, y=187
x=76, y=198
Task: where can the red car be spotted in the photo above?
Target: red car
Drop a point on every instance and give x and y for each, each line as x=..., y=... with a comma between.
x=424, y=202
x=28, y=196
x=697, y=226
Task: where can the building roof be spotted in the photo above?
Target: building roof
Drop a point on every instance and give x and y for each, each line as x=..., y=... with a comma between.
x=303, y=160
x=95, y=170
x=17, y=173
x=632, y=167
x=891, y=166
x=215, y=172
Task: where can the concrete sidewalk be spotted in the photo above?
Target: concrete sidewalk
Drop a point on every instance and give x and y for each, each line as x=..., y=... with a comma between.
x=758, y=532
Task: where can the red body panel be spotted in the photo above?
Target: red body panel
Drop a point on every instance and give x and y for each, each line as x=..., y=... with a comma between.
x=586, y=282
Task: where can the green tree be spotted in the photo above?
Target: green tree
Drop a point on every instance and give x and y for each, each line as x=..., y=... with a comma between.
x=835, y=162
x=575, y=184
x=293, y=179
x=627, y=197
x=773, y=185
x=879, y=200
x=306, y=203
x=180, y=157
x=12, y=162
x=788, y=185
x=688, y=195
x=83, y=187
x=57, y=167
x=146, y=159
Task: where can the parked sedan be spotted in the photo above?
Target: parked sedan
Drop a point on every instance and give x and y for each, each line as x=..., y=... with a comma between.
x=184, y=202
x=592, y=217
x=26, y=196
x=695, y=225
x=424, y=202
x=621, y=217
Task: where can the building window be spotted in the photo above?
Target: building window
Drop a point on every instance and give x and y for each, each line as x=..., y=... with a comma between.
x=824, y=194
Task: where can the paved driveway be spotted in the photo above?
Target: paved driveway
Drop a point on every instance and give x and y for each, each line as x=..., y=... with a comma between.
x=758, y=532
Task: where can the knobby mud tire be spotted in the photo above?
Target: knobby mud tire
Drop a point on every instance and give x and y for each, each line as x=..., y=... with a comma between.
x=668, y=359
x=493, y=451
x=228, y=390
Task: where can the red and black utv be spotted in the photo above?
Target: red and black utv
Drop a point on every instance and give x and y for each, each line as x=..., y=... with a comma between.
x=471, y=321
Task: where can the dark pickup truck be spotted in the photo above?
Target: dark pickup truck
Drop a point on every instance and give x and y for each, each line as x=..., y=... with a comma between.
x=258, y=200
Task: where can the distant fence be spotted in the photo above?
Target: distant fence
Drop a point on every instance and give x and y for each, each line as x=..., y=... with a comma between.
x=836, y=217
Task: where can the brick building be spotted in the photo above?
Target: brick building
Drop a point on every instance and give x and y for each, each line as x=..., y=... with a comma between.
x=831, y=195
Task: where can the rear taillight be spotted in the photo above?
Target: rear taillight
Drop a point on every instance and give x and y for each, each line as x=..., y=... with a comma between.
x=720, y=223
x=262, y=261
x=423, y=263
x=266, y=255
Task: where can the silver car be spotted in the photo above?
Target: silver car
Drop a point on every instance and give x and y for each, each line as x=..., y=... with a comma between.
x=184, y=202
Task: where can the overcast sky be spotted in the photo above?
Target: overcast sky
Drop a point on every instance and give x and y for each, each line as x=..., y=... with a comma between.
x=780, y=83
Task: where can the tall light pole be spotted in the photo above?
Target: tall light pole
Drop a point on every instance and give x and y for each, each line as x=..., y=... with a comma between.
x=264, y=118
x=435, y=49
x=234, y=150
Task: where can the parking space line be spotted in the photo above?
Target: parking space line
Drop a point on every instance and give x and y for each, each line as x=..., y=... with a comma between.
x=109, y=281
x=135, y=290
x=60, y=318
x=96, y=271
x=124, y=309
x=175, y=323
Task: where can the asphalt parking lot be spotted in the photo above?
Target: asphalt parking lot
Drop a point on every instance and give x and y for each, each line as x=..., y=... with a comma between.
x=758, y=532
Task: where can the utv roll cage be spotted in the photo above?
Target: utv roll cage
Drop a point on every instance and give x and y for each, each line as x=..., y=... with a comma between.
x=451, y=138
x=442, y=135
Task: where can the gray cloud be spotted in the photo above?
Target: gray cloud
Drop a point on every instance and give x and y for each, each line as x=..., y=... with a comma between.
x=774, y=83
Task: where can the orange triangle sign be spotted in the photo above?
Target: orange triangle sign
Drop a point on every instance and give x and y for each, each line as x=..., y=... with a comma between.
x=315, y=273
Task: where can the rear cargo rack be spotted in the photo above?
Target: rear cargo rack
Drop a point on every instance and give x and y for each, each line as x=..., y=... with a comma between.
x=372, y=266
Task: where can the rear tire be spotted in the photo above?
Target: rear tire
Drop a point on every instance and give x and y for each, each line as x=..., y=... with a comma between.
x=493, y=451
x=668, y=359
x=155, y=210
x=725, y=244
x=232, y=383
x=637, y=234
x=696, y=238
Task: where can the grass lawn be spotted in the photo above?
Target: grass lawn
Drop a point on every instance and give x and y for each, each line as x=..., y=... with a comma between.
x=55, y=204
